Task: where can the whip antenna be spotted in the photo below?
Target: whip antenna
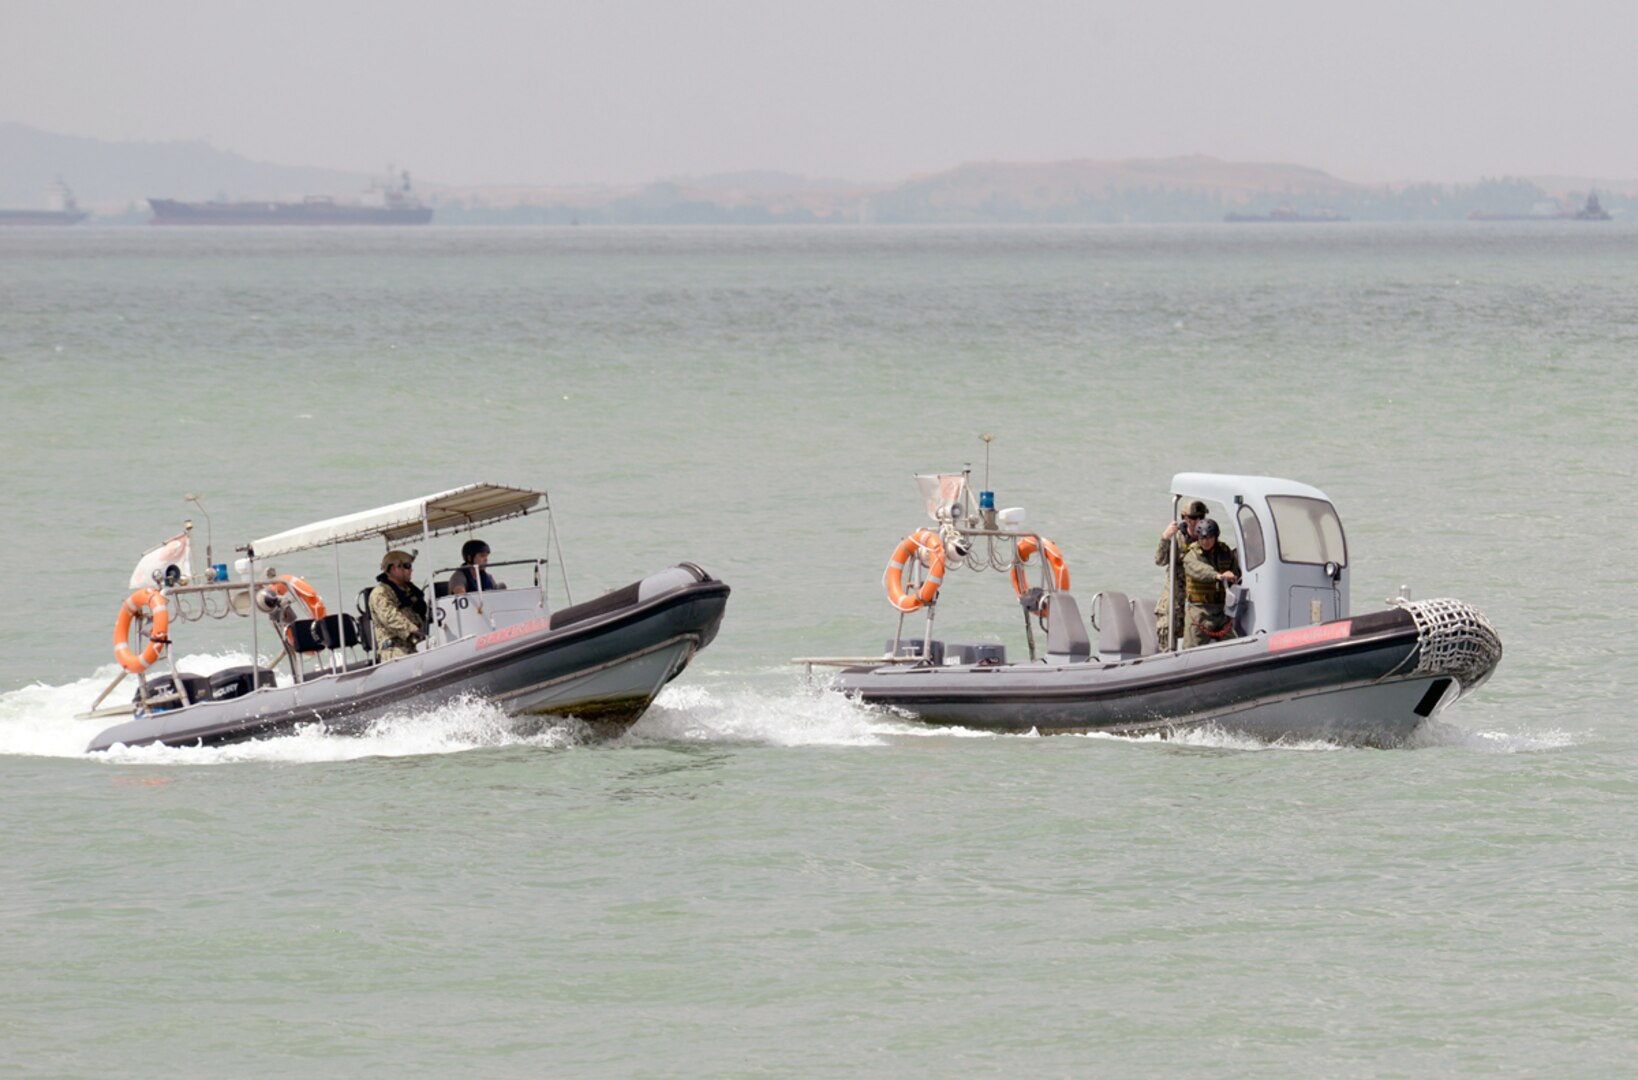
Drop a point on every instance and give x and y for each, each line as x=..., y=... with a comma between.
x=210, y=560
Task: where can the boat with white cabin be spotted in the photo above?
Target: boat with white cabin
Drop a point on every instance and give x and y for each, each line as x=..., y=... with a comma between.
x=1296, y=663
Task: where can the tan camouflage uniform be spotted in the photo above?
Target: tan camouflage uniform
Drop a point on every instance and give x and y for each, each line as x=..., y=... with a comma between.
x=397, y=628
x=1205, y=590
x=1163, y=555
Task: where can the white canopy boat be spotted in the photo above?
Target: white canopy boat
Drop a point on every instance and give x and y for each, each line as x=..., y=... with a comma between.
x=1297, y=662
x=601, y=661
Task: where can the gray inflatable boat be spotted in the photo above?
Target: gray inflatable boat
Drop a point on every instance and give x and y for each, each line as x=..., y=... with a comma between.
x=1295, y=663
x=601, y=661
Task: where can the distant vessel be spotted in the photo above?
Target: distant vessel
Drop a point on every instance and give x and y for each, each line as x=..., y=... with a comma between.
x=63, y=209
x=1593, y=211
x=1285, y=213
x=390, y=204
x=1549, y=211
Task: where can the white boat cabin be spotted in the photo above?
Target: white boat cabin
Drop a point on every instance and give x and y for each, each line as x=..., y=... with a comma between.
x=1293, y=552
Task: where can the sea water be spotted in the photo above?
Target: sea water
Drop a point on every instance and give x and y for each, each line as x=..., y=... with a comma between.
x=762, y=879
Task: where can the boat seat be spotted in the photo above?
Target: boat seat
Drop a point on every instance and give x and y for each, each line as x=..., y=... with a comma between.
x=332, y=635
x=440, y=589
x=304, y=636
x=337, y=631
x=348, y=640
x=1118, y=634
x=1067, y=639
x=366, y=630
x=1143, y=613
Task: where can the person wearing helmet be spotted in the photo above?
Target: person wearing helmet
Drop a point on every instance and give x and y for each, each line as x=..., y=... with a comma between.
x=398, y=609
x=471, y=575
x=1209, y=566
x=1181, y=534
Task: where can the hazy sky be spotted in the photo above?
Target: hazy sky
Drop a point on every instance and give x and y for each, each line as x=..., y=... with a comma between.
x=630, y=90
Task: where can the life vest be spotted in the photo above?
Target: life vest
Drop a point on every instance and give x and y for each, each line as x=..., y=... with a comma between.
x=469, y=578
x=1219, y=558
x=410, y=599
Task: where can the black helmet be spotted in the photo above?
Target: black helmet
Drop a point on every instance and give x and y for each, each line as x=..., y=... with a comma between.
x=1206, y=528
x=473, y=548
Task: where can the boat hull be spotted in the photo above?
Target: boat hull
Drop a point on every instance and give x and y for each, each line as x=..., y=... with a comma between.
x=1365, y=681
x=175, y=212
x=604, y=668
x=42, y=217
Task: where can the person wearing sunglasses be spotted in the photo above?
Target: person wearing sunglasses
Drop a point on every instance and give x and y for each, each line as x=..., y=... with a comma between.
x=1182, y=533
x=398, y=609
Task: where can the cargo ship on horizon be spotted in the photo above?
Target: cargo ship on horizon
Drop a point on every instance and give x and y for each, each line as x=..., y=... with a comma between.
x=63, y=210
x=390, y=204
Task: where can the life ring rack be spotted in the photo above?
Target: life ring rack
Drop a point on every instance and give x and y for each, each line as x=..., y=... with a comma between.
x=1027, y=547
x=158, y=609
x=288, y=583
x=915, y=546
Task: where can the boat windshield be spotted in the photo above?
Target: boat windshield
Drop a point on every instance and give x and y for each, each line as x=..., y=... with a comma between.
x=1251, y=533
x=1308, y=530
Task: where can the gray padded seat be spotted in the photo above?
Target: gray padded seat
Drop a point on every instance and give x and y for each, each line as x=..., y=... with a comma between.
x=1143, y=610
x=1067, y=639
x=1118, y=634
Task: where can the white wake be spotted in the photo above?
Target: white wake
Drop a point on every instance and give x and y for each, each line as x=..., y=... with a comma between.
x=41, y=720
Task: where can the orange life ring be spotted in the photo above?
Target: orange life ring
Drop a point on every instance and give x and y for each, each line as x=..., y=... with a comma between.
x=1054, y=560
x=153, y=601
x=288, y=583
x=911, y=547
x=308, y=594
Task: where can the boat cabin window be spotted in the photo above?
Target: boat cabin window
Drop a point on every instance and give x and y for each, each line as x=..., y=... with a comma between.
x=1309, y=530
x=1251, y=536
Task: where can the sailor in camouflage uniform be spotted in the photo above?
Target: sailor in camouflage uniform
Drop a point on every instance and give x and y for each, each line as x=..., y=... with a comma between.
x=398, y=609
x=1191, y=516
x=1209, y=565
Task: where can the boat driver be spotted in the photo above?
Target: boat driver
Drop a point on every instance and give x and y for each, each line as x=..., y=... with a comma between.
x=467, y=578
x=398, y=609
x=1181, y=532
x=1209, y=566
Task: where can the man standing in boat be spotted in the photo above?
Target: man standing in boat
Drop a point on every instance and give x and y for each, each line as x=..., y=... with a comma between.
x=1209, y=565
x=1181, y=533
x=398, y=609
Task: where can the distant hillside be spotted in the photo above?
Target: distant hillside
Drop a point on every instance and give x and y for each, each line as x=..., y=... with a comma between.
x=1180, y=188
x=762, y=182
x=1060, y=183
x=109, y=176
x=1196, y=188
